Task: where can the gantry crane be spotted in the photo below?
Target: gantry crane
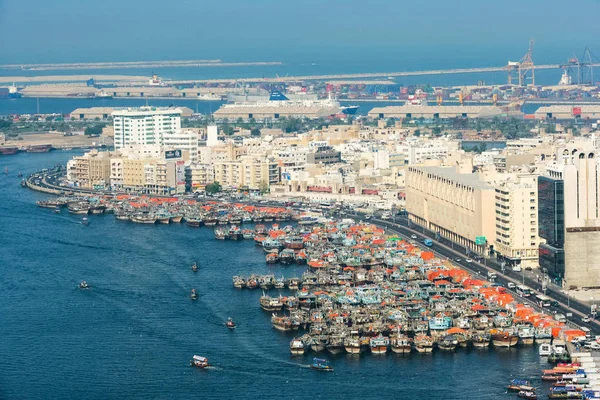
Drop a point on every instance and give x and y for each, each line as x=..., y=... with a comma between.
x=522, y=68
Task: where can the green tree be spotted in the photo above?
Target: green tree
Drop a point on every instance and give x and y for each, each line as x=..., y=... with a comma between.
x=213, y=188
x=437, y=131
x=94, y=130
x=417, y=132
x=263, y=187
x=255, y=132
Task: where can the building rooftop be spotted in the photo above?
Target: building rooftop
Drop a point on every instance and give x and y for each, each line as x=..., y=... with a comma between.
x=450, y=173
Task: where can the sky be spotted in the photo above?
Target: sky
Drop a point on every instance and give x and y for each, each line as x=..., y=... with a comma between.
x=468, y=31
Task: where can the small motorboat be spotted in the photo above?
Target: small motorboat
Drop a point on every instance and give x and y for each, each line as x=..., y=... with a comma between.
x=527, y=394
x=230, y=324
x=57, y=210
x=20, y=175
x=195, y=267
x=199, y=362
x=83, y=285
x=320, y=364
x=85, y=221
x=194, y=295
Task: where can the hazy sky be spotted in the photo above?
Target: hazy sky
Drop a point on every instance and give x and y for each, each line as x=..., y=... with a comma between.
x=82, y=30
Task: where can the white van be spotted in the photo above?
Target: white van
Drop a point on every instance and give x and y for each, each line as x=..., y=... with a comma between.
x=492, y=275
x=511, y=285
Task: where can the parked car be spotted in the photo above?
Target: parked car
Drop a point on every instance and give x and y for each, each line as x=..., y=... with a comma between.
x=458, y=259
x=468, y=260
x=413, y=236
x=586, y=319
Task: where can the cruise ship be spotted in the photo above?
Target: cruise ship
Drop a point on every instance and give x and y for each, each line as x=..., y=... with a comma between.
x=279, y=105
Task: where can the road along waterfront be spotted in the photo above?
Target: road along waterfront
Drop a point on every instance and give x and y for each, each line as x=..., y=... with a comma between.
x=133, y=333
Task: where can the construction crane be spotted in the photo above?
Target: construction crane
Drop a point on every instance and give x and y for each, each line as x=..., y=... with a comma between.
x=522, y=68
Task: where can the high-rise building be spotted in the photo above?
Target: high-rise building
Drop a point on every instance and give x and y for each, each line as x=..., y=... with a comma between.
x=145, y=125
x=569, y=215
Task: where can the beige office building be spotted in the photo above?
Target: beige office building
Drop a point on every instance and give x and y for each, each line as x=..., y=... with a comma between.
x=90, y=170
x=247, y=172
x=453, y=202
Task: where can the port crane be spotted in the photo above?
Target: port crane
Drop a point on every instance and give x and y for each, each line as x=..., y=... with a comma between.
x=520, y=70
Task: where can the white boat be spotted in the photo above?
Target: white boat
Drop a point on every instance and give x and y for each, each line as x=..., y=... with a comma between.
x=299, y=346
x=545, y=349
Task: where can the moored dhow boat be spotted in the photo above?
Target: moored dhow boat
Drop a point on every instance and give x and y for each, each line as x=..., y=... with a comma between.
x=545, y=349
x=47, y=204
x=220, y=233
x=235, y=233
x=199, y=362
x=164, y=219
x=193, y=222
x=526, y=334
x=272, y=258
x=400, y=344
x=424, y=344
x=355, y=344
x=247, y=234
x=318, y=343
x=481, y=339
x=517, y=385
x=321, y=364
x=143, y=218
x=284, y=324
x=335, y=344
x=252, y=282
x=269, y=303
x=379, y=344
x=294, y=243
x=122, y=215
x=287, y=256
x=193, y=294
x=78, y=208
x=230, y=324
x=299, y=346
x=503, y=338
x=210, y=221
x=176, y=219
x=239, y=282
x=448, y=343
x=98, y=209
x=528, y=394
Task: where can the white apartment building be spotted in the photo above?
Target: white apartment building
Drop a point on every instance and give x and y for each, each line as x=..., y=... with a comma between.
x=517, y=239
x=145, y=125
x=183, y=140
x=416, y=153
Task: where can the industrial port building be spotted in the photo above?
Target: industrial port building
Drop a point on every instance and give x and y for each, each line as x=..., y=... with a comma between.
x=267, y=111
x=414, y=111
x=561, y=112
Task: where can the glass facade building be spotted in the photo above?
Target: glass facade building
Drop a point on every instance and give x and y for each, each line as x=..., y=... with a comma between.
x=552, y=225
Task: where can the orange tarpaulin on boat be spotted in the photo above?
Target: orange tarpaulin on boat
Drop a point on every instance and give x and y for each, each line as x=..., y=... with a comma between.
x=455, y=330
x=442, y=282
x=477, y=307
x=427, y=255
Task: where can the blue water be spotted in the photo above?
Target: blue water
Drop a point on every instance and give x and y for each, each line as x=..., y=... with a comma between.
x=133, y=333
